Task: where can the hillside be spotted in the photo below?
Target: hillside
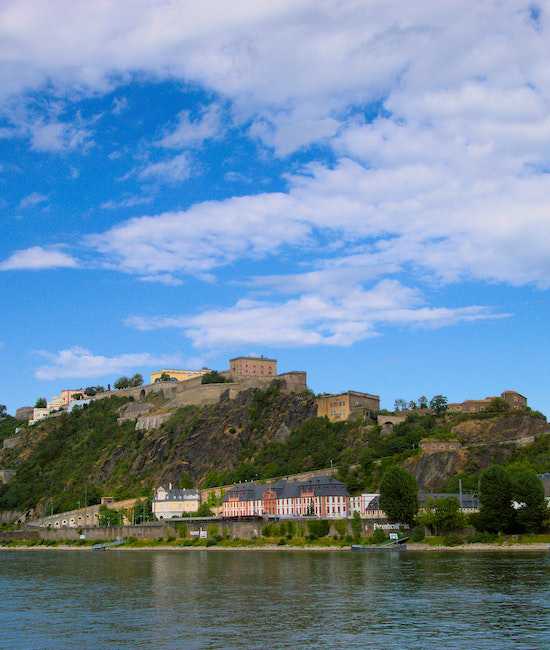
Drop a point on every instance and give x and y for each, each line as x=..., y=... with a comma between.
x=99, y=450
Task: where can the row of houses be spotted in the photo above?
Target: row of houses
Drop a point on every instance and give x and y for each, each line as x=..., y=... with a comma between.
x=323, y=497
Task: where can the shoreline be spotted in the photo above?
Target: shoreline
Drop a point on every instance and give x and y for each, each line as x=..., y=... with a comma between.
x=411, y=548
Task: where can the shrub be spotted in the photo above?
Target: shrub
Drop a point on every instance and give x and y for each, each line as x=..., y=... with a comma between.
x=418, y=534
x=282, y=542
x=452, y=539
x=341, y=527
x=378, y=537
x=318, y=528
x=213, y=377
x=480, y=537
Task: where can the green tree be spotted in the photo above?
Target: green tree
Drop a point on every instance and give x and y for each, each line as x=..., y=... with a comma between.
x=423, y=402
x=213, y=377
x=356, y=526
x=41, y=403
x=412, y=405
x=399, y=495
x=438, y=404
x=122, y=382
x=108, y=517
x=400, y=405
x=204, y=510
x=447, y=515
x=3, y=411
x=496, y=513
x=498, y=405
x=136, y=380
x=164, y=377
x=528, y=499
x=185, y=481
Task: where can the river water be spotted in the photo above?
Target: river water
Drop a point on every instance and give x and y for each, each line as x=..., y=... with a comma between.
x=269, y=600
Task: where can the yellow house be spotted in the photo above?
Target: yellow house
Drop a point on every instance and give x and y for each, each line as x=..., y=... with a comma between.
x=177, y=375
x=349, y=405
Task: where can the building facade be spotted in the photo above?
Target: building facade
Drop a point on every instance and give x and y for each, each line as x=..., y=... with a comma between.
x=321, y=496
x=170, y=503
x=514, y=399
x=348, y=406
x=253, y=367
x=177, y=375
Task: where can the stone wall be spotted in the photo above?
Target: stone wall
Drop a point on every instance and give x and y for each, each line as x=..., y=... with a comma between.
x=235, y=529
x=147, y=422
x=430, y=446
x=10, y=516
x=11, y=442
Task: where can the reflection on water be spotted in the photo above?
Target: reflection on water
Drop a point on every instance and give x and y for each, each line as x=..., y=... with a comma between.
x=166, y=600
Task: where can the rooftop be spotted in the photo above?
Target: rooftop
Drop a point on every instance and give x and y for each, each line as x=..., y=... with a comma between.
x=285, y=489
x=254, y=359
x=351, y=392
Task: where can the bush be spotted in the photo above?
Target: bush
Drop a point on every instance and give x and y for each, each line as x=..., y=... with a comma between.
x=418, y=534
x=318, y=528
x=282, y=542
x=213, y=377
x=480, y=537
x=378, y=537
x=341, y=526
x=452, y=539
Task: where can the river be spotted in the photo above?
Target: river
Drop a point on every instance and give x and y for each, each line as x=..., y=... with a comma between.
x=312, y=599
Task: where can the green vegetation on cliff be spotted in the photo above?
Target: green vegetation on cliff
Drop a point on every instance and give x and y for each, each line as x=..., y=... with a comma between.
x=75, y=458
x=8, y=424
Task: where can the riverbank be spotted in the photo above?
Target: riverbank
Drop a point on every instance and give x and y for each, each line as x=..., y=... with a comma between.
x=470, y=548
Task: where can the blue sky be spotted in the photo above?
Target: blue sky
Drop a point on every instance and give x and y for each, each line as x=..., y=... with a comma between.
x=359, y=189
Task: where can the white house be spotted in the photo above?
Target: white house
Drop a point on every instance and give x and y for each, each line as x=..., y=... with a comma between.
x=173, y=503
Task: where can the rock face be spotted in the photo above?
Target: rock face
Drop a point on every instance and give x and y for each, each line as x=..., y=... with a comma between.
x=480, y=442
x=199, y=439
x=508, y=429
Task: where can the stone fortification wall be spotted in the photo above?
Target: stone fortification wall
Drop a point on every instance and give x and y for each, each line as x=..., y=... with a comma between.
x=10, y=516
x=235, y=529
x=429, y=446
x=13, y=441
x=148, y=422
x=81, y=517
x=194, y=392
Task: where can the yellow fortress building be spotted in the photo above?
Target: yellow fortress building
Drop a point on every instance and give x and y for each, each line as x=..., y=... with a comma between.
x=177, y=375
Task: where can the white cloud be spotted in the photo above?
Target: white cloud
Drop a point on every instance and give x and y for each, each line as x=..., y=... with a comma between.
x=80, y=363
x=202, y=238
x=58, y=136
x=193, y=132
x=172, y=170
x=314, y=319
x=162, y=278
x=37, y=258
x=120, y=104
x=129, y=202
x=448, y=179
x=35, y=198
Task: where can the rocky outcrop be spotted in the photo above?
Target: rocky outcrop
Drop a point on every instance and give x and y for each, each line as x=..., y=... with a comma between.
x=480, y=442
x=504, y=429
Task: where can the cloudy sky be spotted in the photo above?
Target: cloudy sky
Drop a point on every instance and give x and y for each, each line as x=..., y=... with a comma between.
x=358, y=187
